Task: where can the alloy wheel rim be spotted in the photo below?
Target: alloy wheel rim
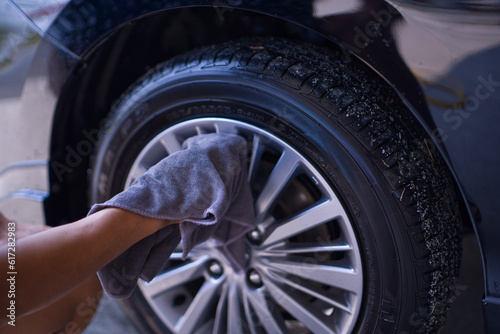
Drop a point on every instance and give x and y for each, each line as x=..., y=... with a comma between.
x=304, y=269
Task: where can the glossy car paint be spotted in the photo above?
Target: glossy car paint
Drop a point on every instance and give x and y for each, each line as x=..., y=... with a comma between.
x=441, y=57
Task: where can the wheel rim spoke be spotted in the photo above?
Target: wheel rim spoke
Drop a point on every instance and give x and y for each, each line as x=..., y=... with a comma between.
x=220, y=321
x=280, y=176
x=336, y=246
x=136, y=172
x=235, y=314
x=170, y=143
x=314, y=291
x=316, y=321
x=347, y=279
x=272, y=321
x=174, y=278
x=315, y=216
x=257, y=151
x=196, y=313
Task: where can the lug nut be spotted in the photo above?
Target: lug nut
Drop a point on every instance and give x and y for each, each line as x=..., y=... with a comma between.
x=254, y=236
x=215, y=269
x=254, y=279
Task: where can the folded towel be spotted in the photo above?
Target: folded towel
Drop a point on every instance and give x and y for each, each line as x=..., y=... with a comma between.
x=205, y=186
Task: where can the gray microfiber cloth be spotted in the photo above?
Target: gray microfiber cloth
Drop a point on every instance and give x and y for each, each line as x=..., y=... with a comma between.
x=205, y=186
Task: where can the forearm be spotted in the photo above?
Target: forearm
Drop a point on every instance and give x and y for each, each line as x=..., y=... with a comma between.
x=52, y=263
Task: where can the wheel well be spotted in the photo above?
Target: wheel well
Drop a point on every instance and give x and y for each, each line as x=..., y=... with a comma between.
x=113, y=64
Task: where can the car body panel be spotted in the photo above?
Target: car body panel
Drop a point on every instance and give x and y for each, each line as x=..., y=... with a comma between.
x=440, y=56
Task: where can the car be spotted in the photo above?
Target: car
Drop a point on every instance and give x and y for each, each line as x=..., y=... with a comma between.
x=372, y=130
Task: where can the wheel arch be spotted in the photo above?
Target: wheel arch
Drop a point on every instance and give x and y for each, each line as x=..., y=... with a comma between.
x=112, y=63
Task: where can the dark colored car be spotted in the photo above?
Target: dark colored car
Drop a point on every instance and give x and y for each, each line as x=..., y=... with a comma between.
x=373, y=143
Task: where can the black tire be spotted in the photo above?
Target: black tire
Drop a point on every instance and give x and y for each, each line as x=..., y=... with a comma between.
x=347, y=122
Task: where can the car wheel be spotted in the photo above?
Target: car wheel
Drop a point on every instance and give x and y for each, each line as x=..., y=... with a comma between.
x=357, y=226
